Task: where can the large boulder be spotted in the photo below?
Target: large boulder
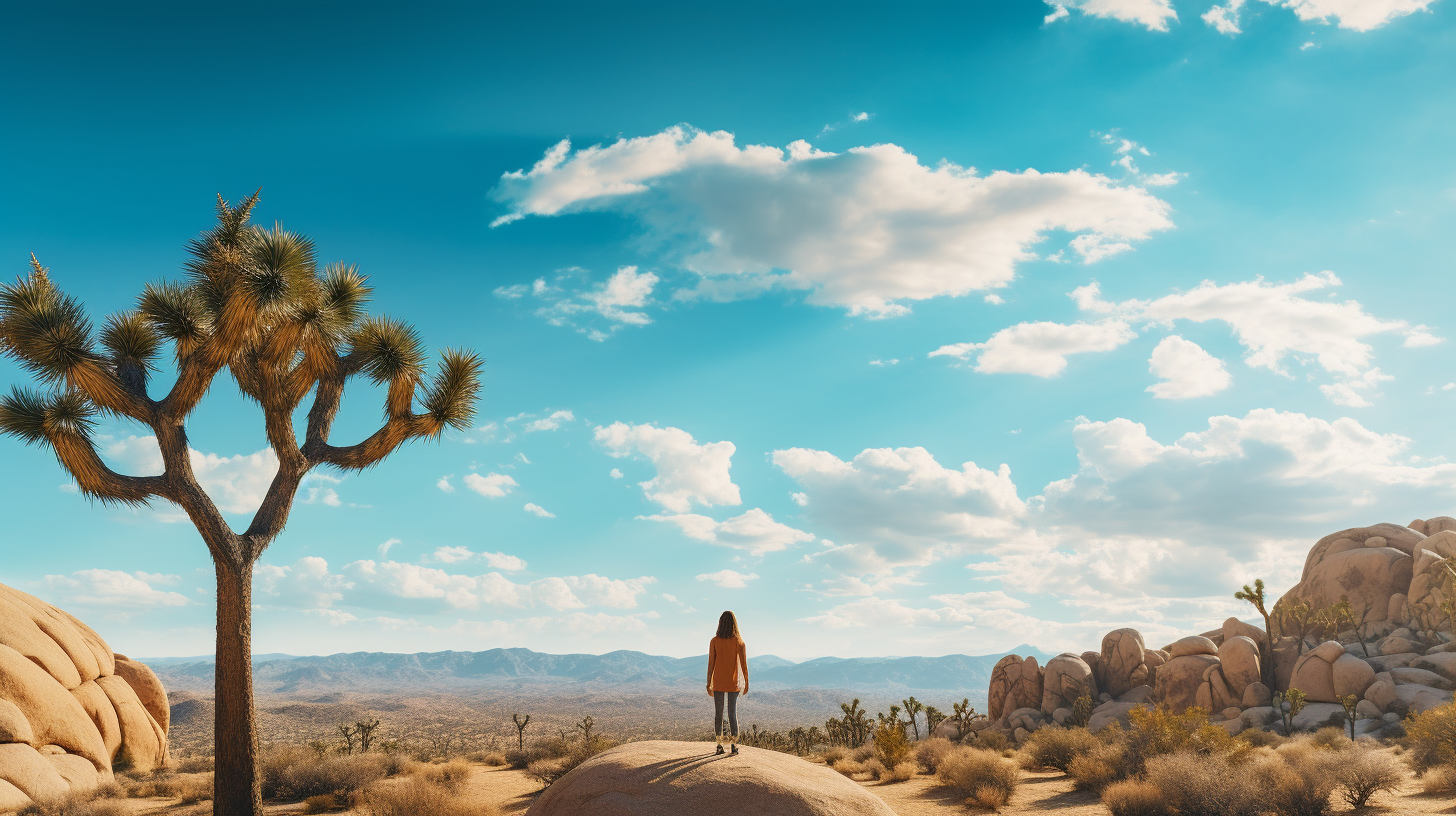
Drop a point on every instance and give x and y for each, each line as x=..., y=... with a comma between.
x=1122, y=662
x=1180, y=679
x=1368, y=576
x=662, y=778
x=1326, y=674
x=1240, y=658
x=1066, y=678
x=71, y=711
x=1015, y=683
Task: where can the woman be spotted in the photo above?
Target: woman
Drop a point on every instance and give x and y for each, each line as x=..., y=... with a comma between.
x=726, y=655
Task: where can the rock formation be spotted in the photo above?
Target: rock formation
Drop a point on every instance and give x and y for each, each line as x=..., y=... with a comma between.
x=71, y=711
x=1015, y=683
x=661, y=778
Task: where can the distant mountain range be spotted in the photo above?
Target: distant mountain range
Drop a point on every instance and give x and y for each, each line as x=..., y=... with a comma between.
x=523, y=669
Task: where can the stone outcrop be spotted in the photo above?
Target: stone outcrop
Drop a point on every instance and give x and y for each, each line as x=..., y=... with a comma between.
x=1066, y=678
x=1328, y=674
x=1015, y=683
x=1122, y=662
x=662, y=778
x=71, y=711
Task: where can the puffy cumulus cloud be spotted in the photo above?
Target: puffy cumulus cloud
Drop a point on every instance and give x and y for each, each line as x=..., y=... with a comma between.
x=687, y=472
x=1352, y=392
x=1356, y=15
x=236, y=484
x=867, y=229
x=550, y=422
x=1152, y=14
x=897, y=509
x=1225, y=18
x=306, y=583
x=538, y=511
x=597, y=310
x=1272, y=321
x=115, y=589
x=1186, y=369
x=492, y=485
x=728, y=579
x=1039, y=349
x=755, y=531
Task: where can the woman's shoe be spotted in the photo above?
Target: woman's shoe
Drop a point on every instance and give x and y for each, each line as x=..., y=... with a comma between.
x=735, y=749
x=719, y=752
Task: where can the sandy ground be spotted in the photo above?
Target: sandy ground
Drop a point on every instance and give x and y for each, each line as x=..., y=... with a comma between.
x=512, y=792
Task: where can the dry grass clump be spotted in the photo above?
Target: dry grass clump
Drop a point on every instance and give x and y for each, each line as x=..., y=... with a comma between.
x=1441, y=779
x=76, y=804
x=1202, y=785
x=1362, y=772
x=494, y=759
x=417, y=796
x=899, y=773
x=930, y=753
x=1134, y=797
x=548, y=769
x=1331, y=738
x=1099, y=768
x=1158, y=732
x=1430, y=738
x=981, y=775
x=1261, y=739
x=1056, y=747
x=1297, y=780
x=163, y=784
x=863, y=753
x=991, y=739
x=834, y=754
x=194, y=765
x=850, y=767
x=450, y=775
x=290, y=773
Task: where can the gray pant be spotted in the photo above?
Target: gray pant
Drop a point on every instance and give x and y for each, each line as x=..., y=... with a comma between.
x=732, y=712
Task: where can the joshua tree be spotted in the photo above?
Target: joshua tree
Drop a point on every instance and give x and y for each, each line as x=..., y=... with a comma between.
x=856, y=722
x=1255, y=596
x=255, y=304
x=365, y=730
x=1348, y=702
x=585, y=727
x=521, y=730
x=933, y=717
x=912, y=708
x=348, y=735
x=963, y=712
x=1288, y=704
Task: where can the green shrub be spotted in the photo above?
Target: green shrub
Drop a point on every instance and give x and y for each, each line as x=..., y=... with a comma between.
x=1134, y=797
x=1056, y=747
x=1362, y=772
x=1431, y=738
x=1193, y=784
x=980, y=774
x=891, y=746
x=1155, y=732
x=930, y=752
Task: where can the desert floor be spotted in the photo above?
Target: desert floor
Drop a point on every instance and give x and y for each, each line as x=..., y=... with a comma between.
x=513, y=792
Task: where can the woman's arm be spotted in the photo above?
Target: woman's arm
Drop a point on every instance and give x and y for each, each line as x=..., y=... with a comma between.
x=712, y=655
x=743, y=661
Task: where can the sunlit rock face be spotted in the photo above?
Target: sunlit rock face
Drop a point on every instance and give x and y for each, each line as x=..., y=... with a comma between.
x=72, y=712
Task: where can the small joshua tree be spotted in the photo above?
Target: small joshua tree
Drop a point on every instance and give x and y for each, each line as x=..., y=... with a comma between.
x=521, y=730
x=1288, y=704
x=1255, y=596
x=1348, y=702
x=365, y=730
x=856, y=722
x=963, y=712
x=933, y=717
x=256, y=305
x=585, y=727
x=913, y=707
x=349, y=735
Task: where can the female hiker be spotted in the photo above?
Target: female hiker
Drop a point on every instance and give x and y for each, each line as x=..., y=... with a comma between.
x=726, y=656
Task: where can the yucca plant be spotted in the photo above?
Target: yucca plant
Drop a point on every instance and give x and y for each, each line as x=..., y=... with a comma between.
x=255, y=304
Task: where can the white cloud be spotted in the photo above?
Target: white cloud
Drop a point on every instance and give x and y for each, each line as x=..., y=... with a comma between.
x=499, y=560
x=1356, y=15
x=728, y=579
x=387, y=545
x=323, y=495
x=867, y=229
x=452, y=555
x=493, y=485
x=883, y=363
x=1154, y=14
x=1225, y=18
x=596, y=310
x=550, y=423
x=114, y=588
x=615, y=474
x=307, y=583
x=537, y=510
x=755, y=531
x=1349, y=393
x=1186, y=369
x=994, y=299
x=1040, y=349
x=687, y=472
x=391, y=584
x=236, y=484
x=884, y=612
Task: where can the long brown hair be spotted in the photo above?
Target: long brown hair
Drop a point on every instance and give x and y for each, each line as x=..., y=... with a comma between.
x=728, y=626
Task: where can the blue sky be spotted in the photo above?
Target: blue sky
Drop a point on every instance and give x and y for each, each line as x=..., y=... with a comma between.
x=941, y=331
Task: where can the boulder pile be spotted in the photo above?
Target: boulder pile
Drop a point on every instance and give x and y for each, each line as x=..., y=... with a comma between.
x=1396, y=653
x=71, y=711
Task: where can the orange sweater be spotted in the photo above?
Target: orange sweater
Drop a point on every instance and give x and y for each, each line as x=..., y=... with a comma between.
x=725, y=655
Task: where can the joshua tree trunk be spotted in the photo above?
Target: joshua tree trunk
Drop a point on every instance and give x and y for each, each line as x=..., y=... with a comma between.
x=236, y=791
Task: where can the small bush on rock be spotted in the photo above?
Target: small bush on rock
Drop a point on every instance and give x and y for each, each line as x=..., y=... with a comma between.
x=1056, y=747
x=1134, y=797
x=978, y=773
x=1362, y=772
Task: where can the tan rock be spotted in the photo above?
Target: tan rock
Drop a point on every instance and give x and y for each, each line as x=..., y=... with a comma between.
x=1180, y=679
x=1286, y=654
x=1397, y=645
x=1315, y=677
x=1154, y=658
x=661, y=778
x=1397, y=611
x=13, y=725
x=1439, y=524
x=1233, y=627
x=54, y=715
x=19, y=631
x=1065, y=678
x=1329, y=651
x=1368, y=577
x=102, y=713
x=1367, y=710
x=79, y=773
x=1256, y=695
x=1137, y=694
x=1442, y=663
x=147, y=687
x=1220, y=695
x=1109, y=713
x=140, y=749
x=60, y=629
x=1239, y=656
x=25, y=768
x=99, y=649
x=1350, y=675
x=1396, y=537
x=1015, y=683
x=1123, y=664
x=11, y=797
x=1193, y=645
x=1382, y=694
x=1421, y=677
x=1419, y=525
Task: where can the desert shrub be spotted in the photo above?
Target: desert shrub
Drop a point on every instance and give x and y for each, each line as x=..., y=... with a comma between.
x=1297, y=781
x=1193, y=784
x=76, y=804
x=494, y=759
x=194, y=765
x=1261, y=739
x=834, y=754
x=109, y=790
x=160, y=783
x=850, y=767
x=1431, y=738
x=1155, y=732
x=451, y=774
x=517, y=759
x=1331, y=738
x=1056, y=747
x=1134, y=797
x=902, y=772
x=991, y=739
x=194, y=790
x=930, y=752
x=1097, y=769
x=417, y=796
x=980, y=774
x=298, y=773
x=1440, y=779
x=891, y=746
x=1362, y=772
x=548, y=768
x=323, y=803
x=863, y=753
